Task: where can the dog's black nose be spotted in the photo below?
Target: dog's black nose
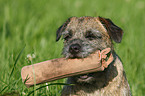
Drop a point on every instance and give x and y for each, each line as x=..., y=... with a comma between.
x=74, y=48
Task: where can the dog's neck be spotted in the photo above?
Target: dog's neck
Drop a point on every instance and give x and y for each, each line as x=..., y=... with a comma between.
x=107, y=82
x=102, y=78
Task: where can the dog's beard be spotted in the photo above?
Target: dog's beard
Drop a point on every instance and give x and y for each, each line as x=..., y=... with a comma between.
x=85, y=51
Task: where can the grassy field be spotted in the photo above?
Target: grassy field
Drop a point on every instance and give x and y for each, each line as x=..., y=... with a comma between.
x=31, y=24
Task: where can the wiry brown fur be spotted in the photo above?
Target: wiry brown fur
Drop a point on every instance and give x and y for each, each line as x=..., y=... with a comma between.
x=110, y=82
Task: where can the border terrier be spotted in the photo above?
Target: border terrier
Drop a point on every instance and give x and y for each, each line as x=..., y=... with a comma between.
x=83, y=36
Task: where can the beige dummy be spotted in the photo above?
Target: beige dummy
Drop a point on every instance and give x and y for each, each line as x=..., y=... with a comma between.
x=60, y=68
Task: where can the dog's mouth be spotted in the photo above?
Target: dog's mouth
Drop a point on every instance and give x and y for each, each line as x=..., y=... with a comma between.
x=83, y=77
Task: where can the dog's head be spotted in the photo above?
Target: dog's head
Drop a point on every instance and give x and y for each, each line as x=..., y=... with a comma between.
x=84, y=35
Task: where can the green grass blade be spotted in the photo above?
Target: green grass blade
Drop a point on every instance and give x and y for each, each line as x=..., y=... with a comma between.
x=48, y=85
x=4, y=88
x=16, y=61
x=10, y=84
x=27, y=78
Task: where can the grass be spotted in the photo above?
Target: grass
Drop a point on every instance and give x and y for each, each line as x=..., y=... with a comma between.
x=34, y=23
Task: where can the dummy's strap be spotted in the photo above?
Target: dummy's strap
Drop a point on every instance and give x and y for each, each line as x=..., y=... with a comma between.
x=106, y=57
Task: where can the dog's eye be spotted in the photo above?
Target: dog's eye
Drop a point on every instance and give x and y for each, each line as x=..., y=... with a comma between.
x=99, y=36
x=68, y=36
x=90, y=35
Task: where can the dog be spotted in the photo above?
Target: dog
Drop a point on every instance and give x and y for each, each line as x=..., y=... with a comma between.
x=83, y=36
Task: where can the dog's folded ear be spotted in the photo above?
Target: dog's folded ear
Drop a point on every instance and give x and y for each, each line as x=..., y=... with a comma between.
x=58, y=32
x=114, y=31
x=61, y=29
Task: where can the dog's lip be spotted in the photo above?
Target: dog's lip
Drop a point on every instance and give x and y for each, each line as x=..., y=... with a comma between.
x=85, y=76
x=73, y=56
x=78, y=56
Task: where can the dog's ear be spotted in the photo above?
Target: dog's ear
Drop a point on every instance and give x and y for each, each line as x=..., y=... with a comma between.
x=114, y=31
x=61, y=29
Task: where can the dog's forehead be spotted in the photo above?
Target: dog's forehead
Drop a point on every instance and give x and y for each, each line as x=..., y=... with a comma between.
x=85, y=23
